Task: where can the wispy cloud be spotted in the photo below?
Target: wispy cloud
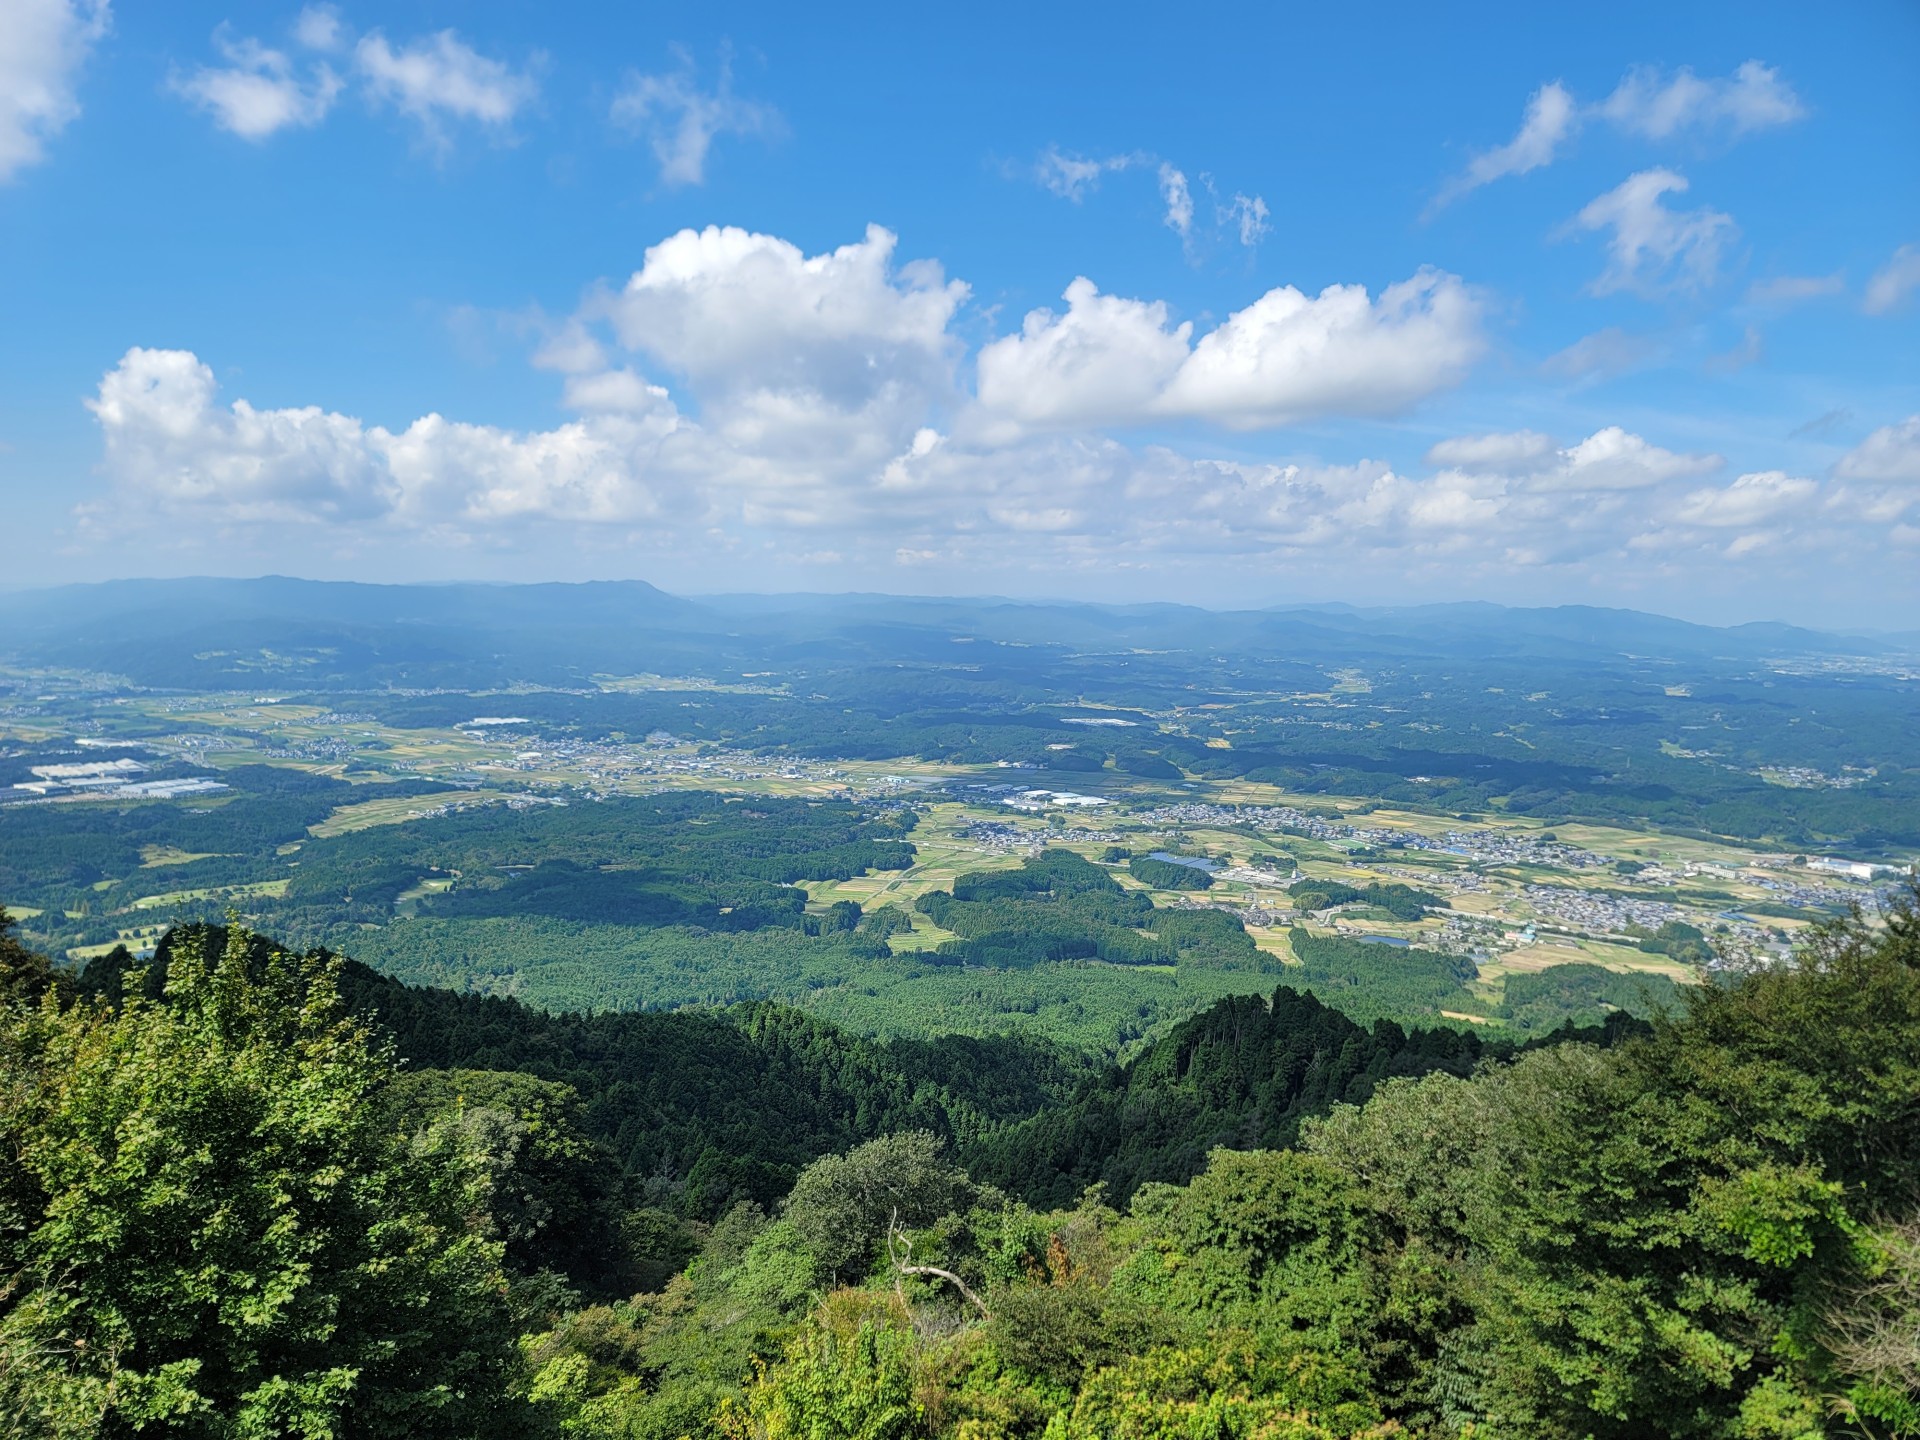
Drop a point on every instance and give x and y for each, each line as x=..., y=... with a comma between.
x=1822, y=424
x=1784, y=291
x=1247, y=216
x=1178, y=199
x=1598, y=356
x=1751, y=350
x=258, y=92
x=1243, y=219
x=439, y=79
x=320, y=27
x=1657, y=106
x=1074, y=177
x=1654, y=249
x=436, y=81
x=1649, y=103
x=1893, y=282
x=681, y=120
x=1551, y=117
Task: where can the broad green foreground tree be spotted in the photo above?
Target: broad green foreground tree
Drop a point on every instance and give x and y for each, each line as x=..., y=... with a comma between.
x=207, y=1230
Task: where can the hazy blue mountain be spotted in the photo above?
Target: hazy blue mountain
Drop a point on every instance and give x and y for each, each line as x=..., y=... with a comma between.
x=320, y=633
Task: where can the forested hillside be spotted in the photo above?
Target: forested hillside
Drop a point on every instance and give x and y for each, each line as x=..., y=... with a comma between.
x=255, y=1192
x=702, y=1109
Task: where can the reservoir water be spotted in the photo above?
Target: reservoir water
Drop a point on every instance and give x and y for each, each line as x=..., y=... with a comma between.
x=1192, y=862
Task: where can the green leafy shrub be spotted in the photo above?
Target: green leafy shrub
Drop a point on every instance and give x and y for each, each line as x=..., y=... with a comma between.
x=211, y=1233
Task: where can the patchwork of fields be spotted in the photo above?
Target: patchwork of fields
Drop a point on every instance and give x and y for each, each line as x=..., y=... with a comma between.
x=443, y=837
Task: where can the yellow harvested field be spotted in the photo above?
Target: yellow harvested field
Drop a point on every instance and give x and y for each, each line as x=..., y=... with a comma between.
x=1539, y=957
x=1272, y=940
x=1570, y=952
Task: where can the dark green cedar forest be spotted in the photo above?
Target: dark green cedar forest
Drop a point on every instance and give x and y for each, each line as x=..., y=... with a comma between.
x=247, y=1191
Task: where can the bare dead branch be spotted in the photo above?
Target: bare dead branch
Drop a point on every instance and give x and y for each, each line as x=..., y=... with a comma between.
x=953, y=1280
x=898, y=1257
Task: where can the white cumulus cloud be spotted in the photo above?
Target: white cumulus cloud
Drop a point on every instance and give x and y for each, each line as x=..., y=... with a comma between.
x=634, y=469
x=1106, y=359
x=1284, y=358
x=43, y=44
x=166, y=435
x=740, y=397
x=1290, y=356
x=1614, y=459
x=681, y=120
x=1890, y=455
x=1760, y=498
x=1609, y=459
x=170, y=443
x=741, y=310
x=1513, y=452
x=436, y=81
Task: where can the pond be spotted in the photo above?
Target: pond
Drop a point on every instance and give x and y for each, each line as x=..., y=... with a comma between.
x=1384, y=940
x=1192, y=862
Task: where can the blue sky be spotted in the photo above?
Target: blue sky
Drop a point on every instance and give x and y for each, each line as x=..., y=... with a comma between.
x=1236, y=305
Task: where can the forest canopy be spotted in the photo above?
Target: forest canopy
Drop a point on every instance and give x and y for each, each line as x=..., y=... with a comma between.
x=410, y=1213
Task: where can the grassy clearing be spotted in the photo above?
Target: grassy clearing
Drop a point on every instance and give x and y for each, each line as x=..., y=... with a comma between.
x=135, y=937
x=155, y=857
x=434, y=885
x=398, y=810
x=273, y=888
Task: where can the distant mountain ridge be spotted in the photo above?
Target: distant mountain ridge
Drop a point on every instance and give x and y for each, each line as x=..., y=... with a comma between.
x=311, y=632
